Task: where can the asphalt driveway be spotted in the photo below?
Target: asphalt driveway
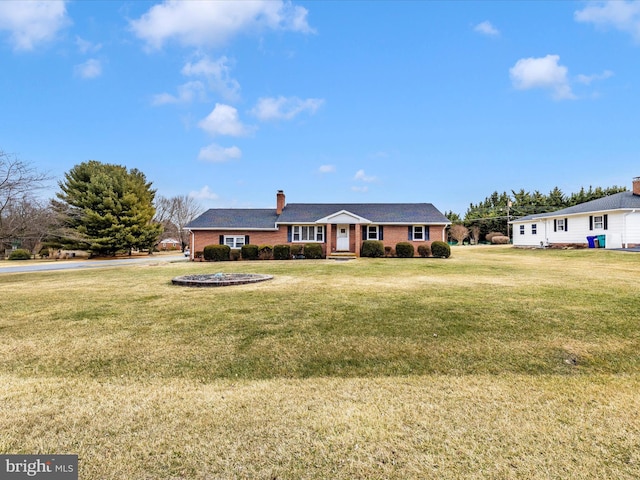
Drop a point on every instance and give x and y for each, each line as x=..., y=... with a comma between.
x=38, y=266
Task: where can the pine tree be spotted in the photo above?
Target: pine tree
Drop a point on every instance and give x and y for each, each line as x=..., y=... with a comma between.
x=109, y=208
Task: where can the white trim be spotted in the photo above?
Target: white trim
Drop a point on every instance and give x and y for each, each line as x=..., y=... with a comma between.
x=345, y=217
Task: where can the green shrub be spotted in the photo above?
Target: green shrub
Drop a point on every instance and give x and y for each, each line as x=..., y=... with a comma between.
x=265, y=252
x=216, y=253
x=44, y=252
x=250, y=252
x=405, y=250
x=20, y=254
x=312, y=251
x=372, y=249
x=424, y=250
x=440, y=249
x=282, y=252
x=296, y=250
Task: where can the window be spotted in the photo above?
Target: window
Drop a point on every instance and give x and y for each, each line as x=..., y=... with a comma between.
x=308, y=233
x=420, y=233
x=534, y=229
x=233, y=241
x=598, y=222
x=372, y=232
x=561, y=225
x=521, y=229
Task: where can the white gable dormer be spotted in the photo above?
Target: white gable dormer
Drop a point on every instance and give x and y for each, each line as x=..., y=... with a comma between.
x=344, y=217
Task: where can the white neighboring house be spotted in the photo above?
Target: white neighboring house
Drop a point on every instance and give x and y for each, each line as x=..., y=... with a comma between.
x=616, y=216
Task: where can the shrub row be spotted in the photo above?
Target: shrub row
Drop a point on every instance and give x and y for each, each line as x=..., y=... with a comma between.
x=375, y=248
x=370, y=248
x=220, y=253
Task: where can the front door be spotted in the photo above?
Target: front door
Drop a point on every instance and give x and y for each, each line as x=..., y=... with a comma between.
x=342, y=242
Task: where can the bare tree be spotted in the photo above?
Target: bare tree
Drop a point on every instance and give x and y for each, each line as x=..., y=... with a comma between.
x=18, y=182
x=174, y=213
x=475, y=234
x=458, y=232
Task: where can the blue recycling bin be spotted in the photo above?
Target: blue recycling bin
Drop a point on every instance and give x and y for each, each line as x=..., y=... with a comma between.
x=592, y=241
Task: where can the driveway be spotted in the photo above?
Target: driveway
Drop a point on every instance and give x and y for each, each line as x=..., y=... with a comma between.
x=38, y=266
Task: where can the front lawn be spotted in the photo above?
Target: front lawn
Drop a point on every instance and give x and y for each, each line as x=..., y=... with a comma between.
x=495, y=363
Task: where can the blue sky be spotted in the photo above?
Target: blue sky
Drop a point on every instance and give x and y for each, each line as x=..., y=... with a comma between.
x=330, y=101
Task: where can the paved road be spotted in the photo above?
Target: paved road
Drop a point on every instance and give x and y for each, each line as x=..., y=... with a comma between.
x=71, y=264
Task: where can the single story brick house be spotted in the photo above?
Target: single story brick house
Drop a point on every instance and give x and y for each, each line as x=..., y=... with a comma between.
x=339, y=227
x=616, y=216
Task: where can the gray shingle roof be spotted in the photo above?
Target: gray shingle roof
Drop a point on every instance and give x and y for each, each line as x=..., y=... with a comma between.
x=235, y=218
x=409, y=213
x=617, y=201
x=378, y=213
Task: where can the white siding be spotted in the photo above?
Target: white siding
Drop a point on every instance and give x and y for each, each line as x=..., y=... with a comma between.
x=529, y=238
x=622, y=227
x=631, y=235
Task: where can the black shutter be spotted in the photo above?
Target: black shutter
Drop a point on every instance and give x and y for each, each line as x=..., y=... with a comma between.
x=246, y=240
x=289, y=233
x=410, y=233
x=221, y=240
x=590, y=222
x=606, y=222
x=426, y=233
x=324, y=234
x=566, y=224
x=555, y=225
x=364, y=233
x=380, y=233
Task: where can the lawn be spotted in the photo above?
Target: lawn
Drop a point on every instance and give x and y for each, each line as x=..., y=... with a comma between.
x=495, y=363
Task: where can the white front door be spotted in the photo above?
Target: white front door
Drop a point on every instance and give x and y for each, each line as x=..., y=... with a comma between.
x=342, y=242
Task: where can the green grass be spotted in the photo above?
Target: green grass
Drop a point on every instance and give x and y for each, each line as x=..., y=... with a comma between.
x=495, y=363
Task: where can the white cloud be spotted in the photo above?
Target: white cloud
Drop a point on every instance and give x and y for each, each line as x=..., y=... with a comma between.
x=588, y=79
x=545, y=73
x=360, y=189
x=186, y=94
x=217, y=154
x=223, y=120
x=363, y=177
x=283, y=108
x=92, y=68
x=85, y=46
x=34, y=22
x=204, y=193
x=486, y=28
x=327, y=169
x=199, y=24
x=621, y=15
x=216, y=73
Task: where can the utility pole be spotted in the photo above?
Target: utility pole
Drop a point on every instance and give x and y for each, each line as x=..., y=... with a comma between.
x=509, y=204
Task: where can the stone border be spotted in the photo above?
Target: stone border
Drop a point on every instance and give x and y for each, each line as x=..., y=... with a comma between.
x=219, y=279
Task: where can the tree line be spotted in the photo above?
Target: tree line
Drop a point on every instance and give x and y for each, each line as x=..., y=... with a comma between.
x=495, y=211
x=102, y=208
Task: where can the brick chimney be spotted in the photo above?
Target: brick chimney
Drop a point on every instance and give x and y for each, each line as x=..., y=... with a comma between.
x=636, y=186
x=280, y=201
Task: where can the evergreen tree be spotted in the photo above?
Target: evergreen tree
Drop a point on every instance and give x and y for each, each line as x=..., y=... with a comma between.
x=109, y=208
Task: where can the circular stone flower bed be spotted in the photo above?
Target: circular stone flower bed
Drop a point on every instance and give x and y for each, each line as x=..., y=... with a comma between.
x=219, y=279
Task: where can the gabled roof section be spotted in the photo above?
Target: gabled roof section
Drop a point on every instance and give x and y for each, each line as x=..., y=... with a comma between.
x=236, y=219
x=343, y=216
x=617, y=201
x=377, y=213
